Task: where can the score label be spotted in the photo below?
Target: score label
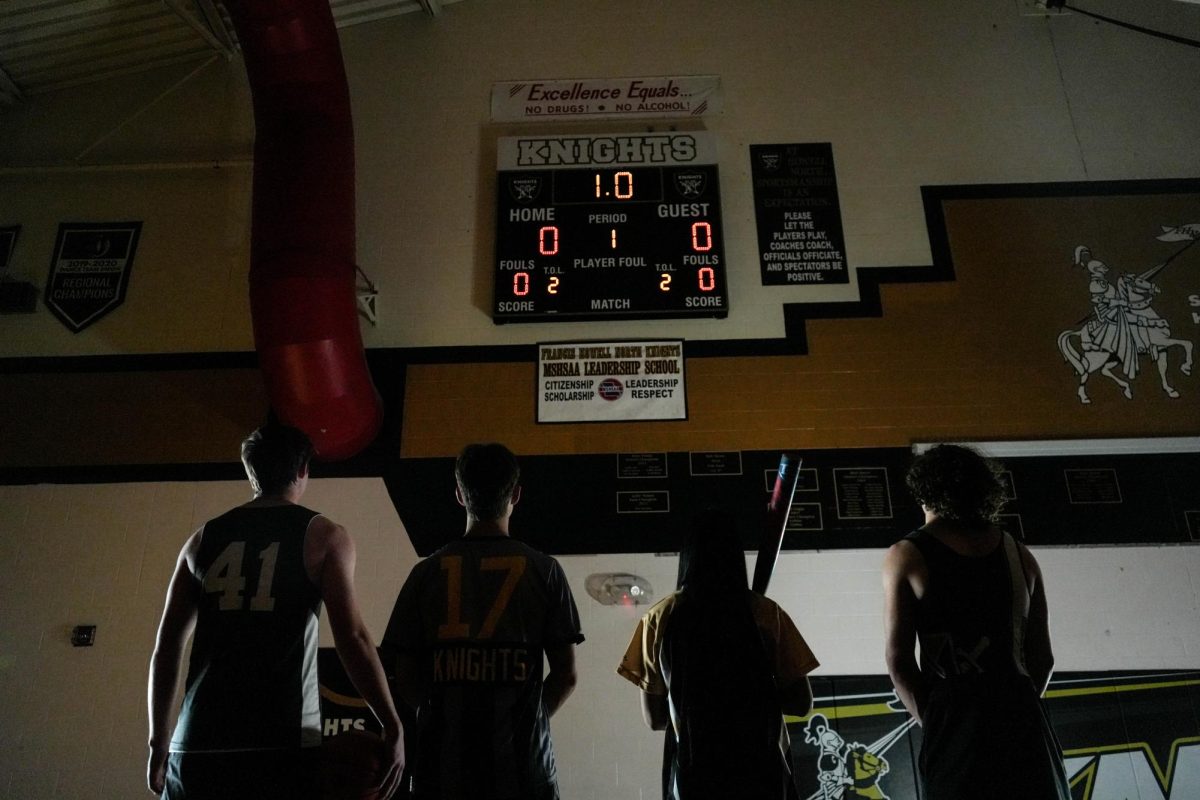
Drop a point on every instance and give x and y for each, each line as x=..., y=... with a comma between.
x=608, y=226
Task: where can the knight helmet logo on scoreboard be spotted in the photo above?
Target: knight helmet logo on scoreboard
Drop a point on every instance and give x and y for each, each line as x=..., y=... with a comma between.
x=525, y=189
x=689, y=184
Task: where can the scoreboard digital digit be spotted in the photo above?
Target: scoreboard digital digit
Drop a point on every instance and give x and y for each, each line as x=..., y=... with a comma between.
x=608, y=226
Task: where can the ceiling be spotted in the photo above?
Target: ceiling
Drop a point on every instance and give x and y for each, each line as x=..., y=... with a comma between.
x=47, y=45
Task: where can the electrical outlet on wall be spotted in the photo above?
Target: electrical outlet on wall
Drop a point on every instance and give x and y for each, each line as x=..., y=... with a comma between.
x=83, y=635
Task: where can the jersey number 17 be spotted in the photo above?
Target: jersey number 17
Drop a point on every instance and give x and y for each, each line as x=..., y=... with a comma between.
x=454, y=626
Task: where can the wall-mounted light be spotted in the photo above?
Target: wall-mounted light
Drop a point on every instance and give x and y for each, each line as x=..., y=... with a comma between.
x=619, y=588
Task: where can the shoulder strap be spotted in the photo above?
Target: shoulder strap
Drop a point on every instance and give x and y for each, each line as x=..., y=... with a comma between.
x=1020, y=600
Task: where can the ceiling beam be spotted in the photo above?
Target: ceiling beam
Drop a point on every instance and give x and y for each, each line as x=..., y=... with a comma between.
x=9, y=92
x=199, y=27
x=216, y=23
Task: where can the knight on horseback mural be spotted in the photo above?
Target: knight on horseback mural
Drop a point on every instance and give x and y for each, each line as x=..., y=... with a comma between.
x=1124, y=325
x=1108, y=329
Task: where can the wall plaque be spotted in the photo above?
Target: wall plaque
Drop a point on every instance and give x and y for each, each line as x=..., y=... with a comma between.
x=1085, y=486
x=804, y=517
x=716, y=463
x=806, y=479
x=643, y=502
x=862, y=493
x=641, y=465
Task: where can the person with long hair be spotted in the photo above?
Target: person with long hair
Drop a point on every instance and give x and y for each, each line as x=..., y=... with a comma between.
x=719, y=665
x=975, y=599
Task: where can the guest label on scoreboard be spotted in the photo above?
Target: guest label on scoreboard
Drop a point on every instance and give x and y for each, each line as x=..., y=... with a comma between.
x=799, y=220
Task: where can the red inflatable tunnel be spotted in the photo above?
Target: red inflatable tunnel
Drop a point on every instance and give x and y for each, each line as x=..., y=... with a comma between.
x=302, y=259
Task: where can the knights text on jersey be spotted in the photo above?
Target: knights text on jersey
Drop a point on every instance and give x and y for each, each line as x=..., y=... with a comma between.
x=252, y=676
x=479, y=614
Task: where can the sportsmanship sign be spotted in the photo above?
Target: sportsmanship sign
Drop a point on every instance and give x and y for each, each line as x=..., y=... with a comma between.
x=797, y=213
x=606, y=98
x=611, y=381
x=90, y=270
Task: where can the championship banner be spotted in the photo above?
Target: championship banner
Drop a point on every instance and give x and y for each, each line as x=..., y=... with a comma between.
x=606, y=98
x=611, y=381
x=89, y=270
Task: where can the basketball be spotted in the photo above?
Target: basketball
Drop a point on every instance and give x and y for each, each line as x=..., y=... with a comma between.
x=351, y=763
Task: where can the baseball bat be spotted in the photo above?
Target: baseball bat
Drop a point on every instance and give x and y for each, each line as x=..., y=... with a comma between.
x=777, y=515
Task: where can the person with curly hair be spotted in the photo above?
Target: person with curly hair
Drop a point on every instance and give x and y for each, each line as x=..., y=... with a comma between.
x=975, y=599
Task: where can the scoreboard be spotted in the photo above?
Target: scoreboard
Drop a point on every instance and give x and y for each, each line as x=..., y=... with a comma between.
x=608, y=226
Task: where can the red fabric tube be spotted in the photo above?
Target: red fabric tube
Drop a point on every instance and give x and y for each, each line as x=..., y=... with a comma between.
x=302, y=251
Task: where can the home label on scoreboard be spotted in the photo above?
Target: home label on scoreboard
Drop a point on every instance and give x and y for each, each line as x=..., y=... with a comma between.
x=608, y=226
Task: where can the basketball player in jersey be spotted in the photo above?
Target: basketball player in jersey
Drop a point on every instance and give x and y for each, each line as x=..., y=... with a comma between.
x=976, y=601
x=469, y=629
x=249, y=586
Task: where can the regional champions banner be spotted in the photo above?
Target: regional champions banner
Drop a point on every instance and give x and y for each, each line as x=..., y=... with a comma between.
x=89, y=271
x=611, y=381
x=606, y=98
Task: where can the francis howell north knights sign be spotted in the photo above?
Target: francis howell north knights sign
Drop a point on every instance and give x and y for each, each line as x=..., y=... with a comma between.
x=89, y=271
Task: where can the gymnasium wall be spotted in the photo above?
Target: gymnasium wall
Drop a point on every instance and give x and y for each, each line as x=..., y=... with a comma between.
x=120, y=440
x=936, y=93
x=101, y=554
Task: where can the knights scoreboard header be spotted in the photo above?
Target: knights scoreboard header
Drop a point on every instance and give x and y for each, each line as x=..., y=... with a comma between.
x=608, y=226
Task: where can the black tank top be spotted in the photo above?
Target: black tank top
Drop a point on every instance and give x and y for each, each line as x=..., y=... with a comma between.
x=252, y=676
x=971, y=620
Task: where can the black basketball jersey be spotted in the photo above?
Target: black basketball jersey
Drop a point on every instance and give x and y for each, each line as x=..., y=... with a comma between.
x=479, y=614
x=986, y=734
x=252, y=677
x=972, y=618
